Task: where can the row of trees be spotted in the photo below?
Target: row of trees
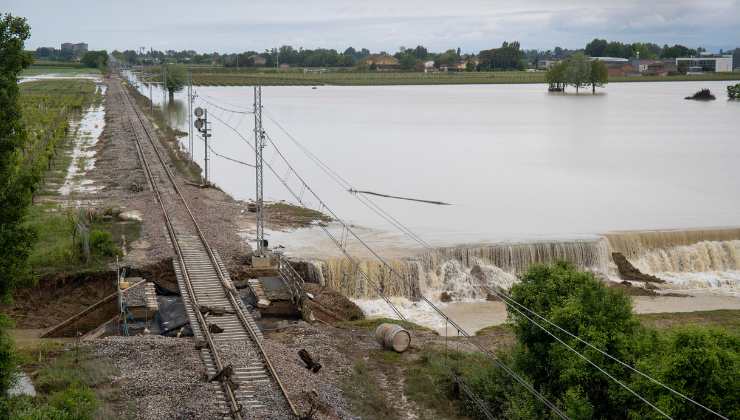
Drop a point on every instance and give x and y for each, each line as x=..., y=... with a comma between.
x=646, y=50
x=95, y=59
x=508, y=57
x=577, y=71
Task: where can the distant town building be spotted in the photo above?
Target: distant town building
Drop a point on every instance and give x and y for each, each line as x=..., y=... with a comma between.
x=617, y=66
x=76, y=50
x=284, y=66
x=545, y=64
x=736, y=58
x=457, y=66
x=381, y=62
x=257, y=60
x=659, y=68
x=429, y=66
x=705, y=64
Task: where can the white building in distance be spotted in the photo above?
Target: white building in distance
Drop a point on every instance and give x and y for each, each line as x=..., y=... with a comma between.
x=706, y=64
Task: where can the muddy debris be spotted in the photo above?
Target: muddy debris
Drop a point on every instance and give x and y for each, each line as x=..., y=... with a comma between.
x=629, y=272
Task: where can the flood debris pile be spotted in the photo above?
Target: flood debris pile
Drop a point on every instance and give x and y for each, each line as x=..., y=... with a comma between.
x=702, y=95
x=628, y=271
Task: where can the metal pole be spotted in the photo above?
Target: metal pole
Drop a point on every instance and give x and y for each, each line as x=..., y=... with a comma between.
x=259, y=142
x=205, y=139
x=164, y=85
x=190, y=115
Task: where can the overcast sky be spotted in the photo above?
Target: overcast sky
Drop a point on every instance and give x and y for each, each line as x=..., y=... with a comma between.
x=229, y=26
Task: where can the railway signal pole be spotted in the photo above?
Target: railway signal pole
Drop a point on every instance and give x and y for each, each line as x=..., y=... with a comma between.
x=259, y=144
x=201, y=124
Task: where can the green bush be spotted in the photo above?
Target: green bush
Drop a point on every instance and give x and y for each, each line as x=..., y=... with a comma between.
x=702, y=363
x=101, y=244
x=7, y=357
x=77, y=402
x=733, y=92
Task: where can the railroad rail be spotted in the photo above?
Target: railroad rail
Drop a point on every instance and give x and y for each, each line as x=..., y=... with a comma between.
x=230, y=342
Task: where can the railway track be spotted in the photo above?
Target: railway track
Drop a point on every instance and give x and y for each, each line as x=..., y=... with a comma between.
x=229, y=340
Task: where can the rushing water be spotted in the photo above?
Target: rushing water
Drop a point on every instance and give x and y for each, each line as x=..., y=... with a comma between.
x=532, y=176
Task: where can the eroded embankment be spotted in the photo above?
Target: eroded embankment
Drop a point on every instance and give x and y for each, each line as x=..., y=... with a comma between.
x=58, y=297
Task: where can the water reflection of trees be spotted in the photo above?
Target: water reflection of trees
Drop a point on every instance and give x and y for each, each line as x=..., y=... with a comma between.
x=176, y=113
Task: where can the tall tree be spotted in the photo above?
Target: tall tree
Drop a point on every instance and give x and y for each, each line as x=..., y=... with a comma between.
x=578, y=70
x=508, y=57
x=95, y=59
x=16, y=187
x=579, y=303
x=596, y=48
x=599, y=75
x=556, y=76
x=677, y=51
x=176, y=77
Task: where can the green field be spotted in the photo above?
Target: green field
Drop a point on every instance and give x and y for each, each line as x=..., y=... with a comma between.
x=219, y=76
x=37, y=70
x=48, y=109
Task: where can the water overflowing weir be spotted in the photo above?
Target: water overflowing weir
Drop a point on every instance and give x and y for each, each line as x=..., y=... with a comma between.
x=638, y=243
x=680, y=251
x=459, y=270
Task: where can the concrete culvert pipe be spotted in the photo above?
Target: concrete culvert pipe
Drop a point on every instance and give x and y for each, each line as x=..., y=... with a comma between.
x=393, y=337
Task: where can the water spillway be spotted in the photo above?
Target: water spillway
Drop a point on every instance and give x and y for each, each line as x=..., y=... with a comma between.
x=686, y=258
x=456, y=270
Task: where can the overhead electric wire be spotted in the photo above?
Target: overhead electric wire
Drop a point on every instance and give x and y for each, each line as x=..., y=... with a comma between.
x=346, y=185
x=229, y=158
x=439, y=203
x=329, y=234
x=507, y=299
x=513, y=374
x=233, y=111
x=495, y=358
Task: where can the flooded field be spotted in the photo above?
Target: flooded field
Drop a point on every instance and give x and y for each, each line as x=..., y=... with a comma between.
x=534, y=165
x=532, y=177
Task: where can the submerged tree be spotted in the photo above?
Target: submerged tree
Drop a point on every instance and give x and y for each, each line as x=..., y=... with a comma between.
x=556, y=77
x=175, y=78
x=578, y=71
x=599, y=75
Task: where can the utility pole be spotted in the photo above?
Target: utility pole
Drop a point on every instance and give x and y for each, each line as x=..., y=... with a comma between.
x=190, y=114
x=205, y=140
x=164, y=84
x=259, y=144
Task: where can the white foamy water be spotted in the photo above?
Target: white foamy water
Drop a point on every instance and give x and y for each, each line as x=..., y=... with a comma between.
x=419, y=312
